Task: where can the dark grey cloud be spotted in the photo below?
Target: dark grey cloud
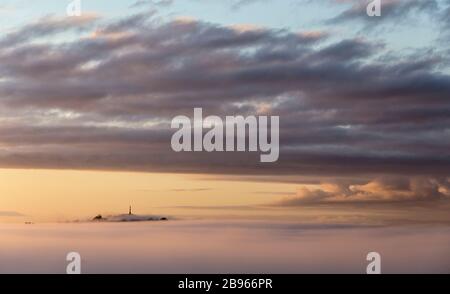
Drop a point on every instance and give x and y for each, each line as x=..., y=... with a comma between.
x=444, y=16
x=391, y=11
x=47, y=26
x=105, y=100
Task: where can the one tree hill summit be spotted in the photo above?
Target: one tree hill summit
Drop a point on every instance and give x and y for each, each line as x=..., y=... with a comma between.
x=130, y=217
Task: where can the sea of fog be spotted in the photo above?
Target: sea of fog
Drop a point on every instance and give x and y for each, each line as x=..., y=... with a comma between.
x=228, y=246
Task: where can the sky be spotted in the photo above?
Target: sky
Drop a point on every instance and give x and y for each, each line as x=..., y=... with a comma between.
x=86, y=104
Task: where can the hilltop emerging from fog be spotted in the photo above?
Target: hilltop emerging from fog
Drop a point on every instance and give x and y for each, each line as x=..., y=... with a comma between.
x=130, y=217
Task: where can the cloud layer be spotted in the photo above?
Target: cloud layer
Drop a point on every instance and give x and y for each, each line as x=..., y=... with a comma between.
x=381, y=190
x=102, y=97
